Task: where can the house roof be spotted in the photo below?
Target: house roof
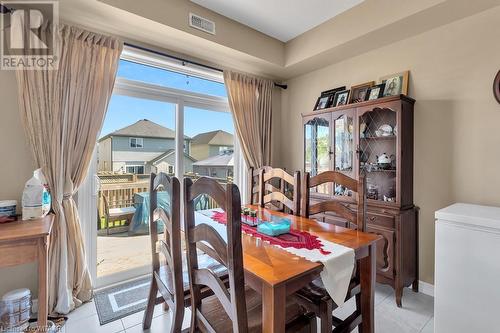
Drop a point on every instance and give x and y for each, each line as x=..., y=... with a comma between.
x=144, y=128
x=219, y=160
x=168, y=153
x=219, y=138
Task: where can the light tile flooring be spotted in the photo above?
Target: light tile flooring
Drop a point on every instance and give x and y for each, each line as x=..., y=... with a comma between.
x=415, y=316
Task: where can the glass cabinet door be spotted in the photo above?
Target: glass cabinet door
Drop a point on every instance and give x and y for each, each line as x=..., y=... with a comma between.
x=378, y=153
x=343, y=127
x=317, y=147
x=343, y=143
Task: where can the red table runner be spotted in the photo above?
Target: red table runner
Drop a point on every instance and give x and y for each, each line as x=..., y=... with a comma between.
x=295, y=238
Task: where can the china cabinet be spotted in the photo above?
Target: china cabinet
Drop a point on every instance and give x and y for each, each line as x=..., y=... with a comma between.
x=375, y=138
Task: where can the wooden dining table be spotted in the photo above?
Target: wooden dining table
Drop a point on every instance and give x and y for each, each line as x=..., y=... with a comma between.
x=276, y=273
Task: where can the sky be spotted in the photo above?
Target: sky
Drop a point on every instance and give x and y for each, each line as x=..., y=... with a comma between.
x=126, y=110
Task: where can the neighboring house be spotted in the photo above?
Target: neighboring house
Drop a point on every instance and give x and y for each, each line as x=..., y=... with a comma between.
x=166, y=162
x=140, y=148
x=205, y=145
x=220, y=166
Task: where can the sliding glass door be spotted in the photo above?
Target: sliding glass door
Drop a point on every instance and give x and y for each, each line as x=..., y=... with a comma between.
x=158, y=120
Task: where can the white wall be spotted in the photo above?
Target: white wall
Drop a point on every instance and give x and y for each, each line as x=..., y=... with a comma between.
x=456, y=117
x=16, y=168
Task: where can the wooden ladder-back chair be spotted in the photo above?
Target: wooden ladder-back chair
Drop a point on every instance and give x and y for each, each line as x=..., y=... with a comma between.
x=254, y=184
x=233, y=309
x=269, y=194
x=166, y=279
x=315, y=297
x=356, y=217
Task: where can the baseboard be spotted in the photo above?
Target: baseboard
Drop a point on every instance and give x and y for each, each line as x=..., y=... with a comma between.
x=426, y=288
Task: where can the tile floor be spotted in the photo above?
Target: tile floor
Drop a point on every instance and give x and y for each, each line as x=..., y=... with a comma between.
x=416, y=316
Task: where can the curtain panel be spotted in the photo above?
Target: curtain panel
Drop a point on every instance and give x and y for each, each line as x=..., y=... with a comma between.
x=250, y=100
x=62, y=112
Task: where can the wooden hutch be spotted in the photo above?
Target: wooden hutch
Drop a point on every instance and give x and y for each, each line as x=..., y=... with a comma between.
x=352, y=139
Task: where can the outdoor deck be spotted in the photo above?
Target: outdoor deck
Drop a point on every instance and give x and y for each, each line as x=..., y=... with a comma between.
x=121, y=252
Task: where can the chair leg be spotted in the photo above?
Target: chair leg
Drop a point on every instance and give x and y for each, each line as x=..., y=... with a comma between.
x=325, y=315
x=150, y=307
x=178, y=318
x=357, y=297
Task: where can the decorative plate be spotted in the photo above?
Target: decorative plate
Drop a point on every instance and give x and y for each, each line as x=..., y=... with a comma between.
x=386, y=130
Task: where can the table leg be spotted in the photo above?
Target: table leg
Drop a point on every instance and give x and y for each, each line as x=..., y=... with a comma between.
x=43, y=264
x=273, y=309
x=367, y=276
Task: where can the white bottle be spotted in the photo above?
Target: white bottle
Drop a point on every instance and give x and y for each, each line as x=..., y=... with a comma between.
x=36, y=197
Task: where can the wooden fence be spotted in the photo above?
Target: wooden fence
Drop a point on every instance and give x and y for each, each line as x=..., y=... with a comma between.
x=119, y=190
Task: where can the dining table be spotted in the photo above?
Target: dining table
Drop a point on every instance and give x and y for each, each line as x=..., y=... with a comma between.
x=276, y=273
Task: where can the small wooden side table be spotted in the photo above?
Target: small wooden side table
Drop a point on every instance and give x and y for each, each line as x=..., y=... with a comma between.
x=27, y=241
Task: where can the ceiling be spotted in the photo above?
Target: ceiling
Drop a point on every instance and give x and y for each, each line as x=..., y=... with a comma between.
x=281, y=19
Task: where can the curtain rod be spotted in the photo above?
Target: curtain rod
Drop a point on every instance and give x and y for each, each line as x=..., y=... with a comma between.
x=282, y=86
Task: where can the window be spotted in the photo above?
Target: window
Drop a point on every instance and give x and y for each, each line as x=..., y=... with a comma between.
x=225, y=150
x=135, y=169
x=136, y=71
x=136, y=142
x=168, y=107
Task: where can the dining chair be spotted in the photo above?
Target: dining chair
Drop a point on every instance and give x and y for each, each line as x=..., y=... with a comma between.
x=253, y=184
x=314, y=297
x=286, y=197
x=166, y=279
x=170, y=274
x=237, y=309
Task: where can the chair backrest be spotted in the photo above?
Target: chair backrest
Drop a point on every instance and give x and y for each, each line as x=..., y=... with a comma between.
x=356, y=218
x=229, y=253
x=269, y=193
x=254, y=184
x=170, y=246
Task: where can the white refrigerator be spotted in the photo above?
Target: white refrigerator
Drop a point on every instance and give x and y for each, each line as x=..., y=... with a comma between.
x=467, y=269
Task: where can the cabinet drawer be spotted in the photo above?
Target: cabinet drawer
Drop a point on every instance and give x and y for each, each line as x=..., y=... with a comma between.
x=382, y=220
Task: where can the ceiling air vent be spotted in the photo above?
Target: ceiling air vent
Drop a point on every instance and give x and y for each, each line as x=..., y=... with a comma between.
x=201, y=23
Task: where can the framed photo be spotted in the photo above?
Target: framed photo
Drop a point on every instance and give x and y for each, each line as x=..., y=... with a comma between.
x=323, y=102
x=396, y=84
x=333, y=91
x=326, y=98
x=359, y=93
x=376, y=92
x=341, y=97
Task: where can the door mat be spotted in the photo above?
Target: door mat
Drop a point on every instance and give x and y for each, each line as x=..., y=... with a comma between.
x=119, y=301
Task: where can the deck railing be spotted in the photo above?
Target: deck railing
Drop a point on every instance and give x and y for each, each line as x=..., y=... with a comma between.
x=119, y=189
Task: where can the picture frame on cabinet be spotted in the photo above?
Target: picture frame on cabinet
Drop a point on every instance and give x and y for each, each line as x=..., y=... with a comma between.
x=323, y=102
x=359, y=92
x=376, y=91
x=341, y=97
x=396, y=84
x=333, y=91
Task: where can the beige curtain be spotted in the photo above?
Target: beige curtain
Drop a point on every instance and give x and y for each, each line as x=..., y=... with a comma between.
x=250, y=100
x=63, y=111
